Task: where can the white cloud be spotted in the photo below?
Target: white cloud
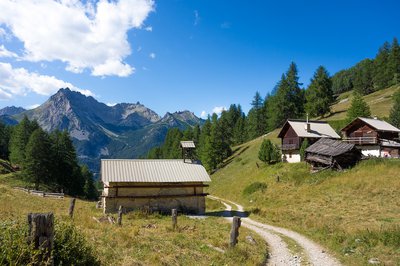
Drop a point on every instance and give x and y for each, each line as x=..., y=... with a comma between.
x=6, y=53
x=203, y=114
x=149, y=28
x=196, y=18
x=152, y=55
x=33, y=106
x=19, y=81
x=85, y=36
x=111, y=104
x=218, y=109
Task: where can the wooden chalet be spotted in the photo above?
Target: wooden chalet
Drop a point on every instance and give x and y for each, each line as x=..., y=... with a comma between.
x=156, y=185
x=373, y=137
x=329, y=153
x=294, y=132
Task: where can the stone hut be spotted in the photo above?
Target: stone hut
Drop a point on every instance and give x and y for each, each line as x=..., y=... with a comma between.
x=157, y=185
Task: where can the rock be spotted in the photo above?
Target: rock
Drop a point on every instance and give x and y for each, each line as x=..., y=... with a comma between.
x=358, y=240
x=374, y=261
x=251, y=240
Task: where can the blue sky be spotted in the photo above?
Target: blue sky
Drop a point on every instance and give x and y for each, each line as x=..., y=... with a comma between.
x=174, y=55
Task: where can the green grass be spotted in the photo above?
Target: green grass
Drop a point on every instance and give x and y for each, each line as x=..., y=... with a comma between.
x=380, y=103
x=333, y=208
x=143, y=239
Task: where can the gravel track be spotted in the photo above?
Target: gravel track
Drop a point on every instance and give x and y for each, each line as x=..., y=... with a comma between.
x=279, y=251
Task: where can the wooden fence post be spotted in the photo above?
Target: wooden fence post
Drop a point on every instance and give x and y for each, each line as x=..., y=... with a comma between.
x=41, y=233
x=174, y=214
x=234, y=231
x=119, y=221
x=71, y=207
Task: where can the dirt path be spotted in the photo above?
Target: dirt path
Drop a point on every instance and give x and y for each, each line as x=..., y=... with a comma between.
x=280, y=254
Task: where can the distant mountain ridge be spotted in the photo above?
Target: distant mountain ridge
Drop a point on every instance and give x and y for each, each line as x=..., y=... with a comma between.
x=125, y=130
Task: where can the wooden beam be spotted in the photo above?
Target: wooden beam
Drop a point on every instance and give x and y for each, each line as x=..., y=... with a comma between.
x=157, y=196
x=159, y=186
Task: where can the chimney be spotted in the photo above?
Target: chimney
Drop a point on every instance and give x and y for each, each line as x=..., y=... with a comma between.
x=307, y=126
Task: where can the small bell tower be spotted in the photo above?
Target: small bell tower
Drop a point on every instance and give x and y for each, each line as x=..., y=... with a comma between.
x=188, y=148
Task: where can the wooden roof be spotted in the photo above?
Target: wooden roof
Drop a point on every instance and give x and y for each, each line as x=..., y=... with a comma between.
x=318, y=129
x=330, y=147
x=377, y=124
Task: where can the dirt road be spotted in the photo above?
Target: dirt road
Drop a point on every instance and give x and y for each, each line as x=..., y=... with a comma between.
x=286, y=247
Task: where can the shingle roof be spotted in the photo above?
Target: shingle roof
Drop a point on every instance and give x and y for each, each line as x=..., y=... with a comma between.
x=123, y=170
x=188, y=144
x=318, y=129
x=380, y=124
x=330, y=147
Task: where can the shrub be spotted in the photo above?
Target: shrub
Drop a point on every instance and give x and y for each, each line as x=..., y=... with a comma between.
x=70, y=247
x=254, y=187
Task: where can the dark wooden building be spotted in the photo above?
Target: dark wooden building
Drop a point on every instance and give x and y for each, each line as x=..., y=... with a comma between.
x=294, y=132
x=373, y=137
x=329, y=153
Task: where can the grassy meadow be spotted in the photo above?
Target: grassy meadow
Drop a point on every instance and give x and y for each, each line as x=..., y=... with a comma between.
x=355, y=213
x=143, y=239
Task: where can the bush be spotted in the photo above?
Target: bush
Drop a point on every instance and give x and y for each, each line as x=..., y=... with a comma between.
x=254, y=187
x=269, y=152
x=70, y=247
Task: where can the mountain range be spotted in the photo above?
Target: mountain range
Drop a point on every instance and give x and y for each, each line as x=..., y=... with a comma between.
x=125, y=130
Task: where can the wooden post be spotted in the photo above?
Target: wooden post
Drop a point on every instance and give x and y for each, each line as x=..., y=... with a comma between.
x=41, y=233
x=174, y=214
x=119, y=221
x=71, y=207
x=234, y=231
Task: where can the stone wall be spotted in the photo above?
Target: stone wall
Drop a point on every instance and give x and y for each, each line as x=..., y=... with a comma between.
x=155, y=198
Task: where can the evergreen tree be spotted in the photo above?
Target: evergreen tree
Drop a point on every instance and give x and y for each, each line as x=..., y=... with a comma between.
x=171, y=148
x=342, y=81
x=394, y=62
x=268, y=152
x=319, y=94
x=382, y=76
x=394, y=117
x=19, y=140
x=38, y=158
x=358, y=108
x=256, y=123
x=5, y=135
x=239, y=130
x=303, y=147
x=288, y=101
x=66, y=169
x=89, y=189
x=363, y=74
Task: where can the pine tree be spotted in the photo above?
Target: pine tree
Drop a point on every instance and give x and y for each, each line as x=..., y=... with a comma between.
x=19, y=139
x=382, y=77
x=288, y=101
x=66, y=170
x=358, y=108
x=303, y=147
x=256, y=123
x=268, y=152
x=363, y=74
x=342, y=81
x=394, y=62
x=38, y=158
x=5, y=135
x=394, y=117
x=89, y=189
x=319, y=94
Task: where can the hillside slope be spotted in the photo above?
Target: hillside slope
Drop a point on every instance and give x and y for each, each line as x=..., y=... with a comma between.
x=143, y=239
x=380, y=103
x=355, y=213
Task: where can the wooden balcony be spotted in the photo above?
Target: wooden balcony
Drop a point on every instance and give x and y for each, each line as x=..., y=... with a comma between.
x=362, y=140
x=288, y=147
